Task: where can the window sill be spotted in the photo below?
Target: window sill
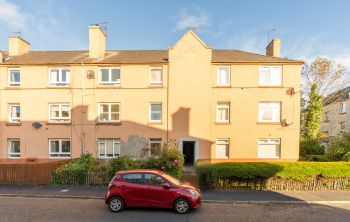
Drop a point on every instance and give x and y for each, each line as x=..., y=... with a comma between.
x=268, y=123
x=58, y=87
x=156, y=86
x=223, y=87
x=13, y=124
x=109, y=123
x=222, y=123
x=154, y=123
x=116, y=86
x=13, y=87
x=53, y=123
x=270, y=86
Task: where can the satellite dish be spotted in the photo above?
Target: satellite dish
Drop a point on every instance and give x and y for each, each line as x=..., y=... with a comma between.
x=36, y=125
x=90, y=74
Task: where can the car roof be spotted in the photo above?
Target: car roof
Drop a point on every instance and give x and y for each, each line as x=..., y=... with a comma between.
x=140, y=171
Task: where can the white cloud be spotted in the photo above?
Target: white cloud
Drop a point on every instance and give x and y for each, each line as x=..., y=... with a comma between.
x=11, y=15
x=194, y=18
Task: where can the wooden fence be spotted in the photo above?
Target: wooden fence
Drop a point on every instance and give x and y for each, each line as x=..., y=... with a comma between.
x=28, y=173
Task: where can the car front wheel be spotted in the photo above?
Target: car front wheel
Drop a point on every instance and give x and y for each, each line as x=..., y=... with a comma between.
x=116, y=204
x=182, y=206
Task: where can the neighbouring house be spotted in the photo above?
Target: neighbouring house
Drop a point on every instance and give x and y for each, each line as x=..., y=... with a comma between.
x=336, y=114
x=217, y=105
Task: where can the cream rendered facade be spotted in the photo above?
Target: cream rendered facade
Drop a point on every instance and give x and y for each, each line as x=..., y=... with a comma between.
x=188, y=96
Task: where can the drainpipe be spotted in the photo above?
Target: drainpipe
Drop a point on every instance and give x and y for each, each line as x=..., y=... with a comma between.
x=82, y=134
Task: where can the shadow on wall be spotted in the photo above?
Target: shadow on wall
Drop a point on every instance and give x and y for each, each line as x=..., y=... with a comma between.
x=84, y=134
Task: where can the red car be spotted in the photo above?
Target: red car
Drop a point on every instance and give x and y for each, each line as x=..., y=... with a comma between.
x=151, y=188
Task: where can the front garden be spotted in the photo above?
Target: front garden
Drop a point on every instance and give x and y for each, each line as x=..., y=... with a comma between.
x=89, y=171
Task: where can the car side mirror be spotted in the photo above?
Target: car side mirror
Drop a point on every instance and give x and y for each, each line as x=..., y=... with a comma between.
x=166, y=186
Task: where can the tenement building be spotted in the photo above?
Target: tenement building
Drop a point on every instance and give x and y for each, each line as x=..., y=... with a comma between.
x=217, y=105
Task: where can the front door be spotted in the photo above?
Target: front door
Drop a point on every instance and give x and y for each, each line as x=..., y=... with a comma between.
x=188, y=152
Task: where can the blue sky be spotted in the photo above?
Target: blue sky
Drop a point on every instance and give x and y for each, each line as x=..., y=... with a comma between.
x=307, y=28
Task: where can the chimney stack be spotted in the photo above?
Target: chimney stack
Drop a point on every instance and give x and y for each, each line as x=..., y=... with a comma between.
x=97, y=41
x=18, y=46
x=274, y=48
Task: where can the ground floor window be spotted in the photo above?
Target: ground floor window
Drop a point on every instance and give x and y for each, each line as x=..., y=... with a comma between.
x=108, y=148
x=14, y=148
x=269, y=148
x=155, y=145
x=222, y=148
x=59, y=148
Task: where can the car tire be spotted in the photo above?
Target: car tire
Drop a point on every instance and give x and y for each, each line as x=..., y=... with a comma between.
x=182, y=206
x=116, y=204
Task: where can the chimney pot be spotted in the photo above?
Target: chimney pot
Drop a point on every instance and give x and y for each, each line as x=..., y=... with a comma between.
x=97, y=41
x=18, y=46
x=274, y=48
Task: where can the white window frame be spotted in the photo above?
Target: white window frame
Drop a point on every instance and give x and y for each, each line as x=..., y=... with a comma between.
x=60, y=149
x=222, y=105
x=104, y=141
x=150, y=112
x=14, y=84
x=154, y=141
x=343, y=107
x=59, y=119
x=109, y=82
x=14, y=119
x=227, y=142
x=261, y=114
x=269, y=142
x=270, y=83
x=218, y=74
x=150, y=76
x=109, y=113
x=60, y=82
x=13, y=155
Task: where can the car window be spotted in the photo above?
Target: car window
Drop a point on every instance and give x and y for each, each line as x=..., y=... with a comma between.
x=154, y=180
x=133, y=178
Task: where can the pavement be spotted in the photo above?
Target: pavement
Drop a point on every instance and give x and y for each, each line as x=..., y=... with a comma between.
x=236, y=197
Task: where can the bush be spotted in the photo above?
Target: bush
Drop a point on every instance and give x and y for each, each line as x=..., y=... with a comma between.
x=316, y=158
x=121, y=163
x=170, y=160
x=75, y=171
x=78, y=171
x=310, y=147
x=209, y=174
x=339, y=148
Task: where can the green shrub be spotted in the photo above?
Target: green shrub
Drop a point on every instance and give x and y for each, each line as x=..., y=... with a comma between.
x=339, y=148
x=310, y=147
x=170, y=160
x=316, y=158
x=209, y=174
x=121, y=163
x=76, y=170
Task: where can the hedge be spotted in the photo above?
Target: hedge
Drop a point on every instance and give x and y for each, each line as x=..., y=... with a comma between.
x=261, y=175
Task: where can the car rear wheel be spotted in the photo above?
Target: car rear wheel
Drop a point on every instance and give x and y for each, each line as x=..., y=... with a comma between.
x=116, y=204
x=182, y=206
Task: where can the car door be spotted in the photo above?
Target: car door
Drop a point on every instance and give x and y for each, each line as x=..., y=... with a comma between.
x=158, y=196
x=134, y=190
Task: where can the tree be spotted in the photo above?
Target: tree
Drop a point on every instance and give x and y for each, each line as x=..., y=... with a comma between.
x=313, y=114
x=320, y=78
x=325, y=75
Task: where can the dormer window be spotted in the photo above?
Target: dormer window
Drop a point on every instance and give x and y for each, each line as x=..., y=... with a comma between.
x=59, y=76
